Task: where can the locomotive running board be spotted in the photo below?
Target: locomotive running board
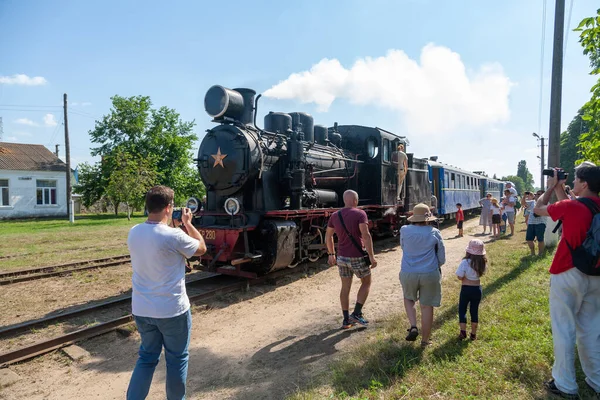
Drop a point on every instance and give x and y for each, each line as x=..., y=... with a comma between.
x=236, y=271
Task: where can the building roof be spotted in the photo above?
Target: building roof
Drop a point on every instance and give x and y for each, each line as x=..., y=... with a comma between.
x=29, y=157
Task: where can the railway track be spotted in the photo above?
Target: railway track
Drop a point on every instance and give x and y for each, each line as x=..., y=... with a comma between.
x=210, y=286
x=24, y=275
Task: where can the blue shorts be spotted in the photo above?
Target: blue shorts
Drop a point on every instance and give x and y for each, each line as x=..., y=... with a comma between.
x=535, y=231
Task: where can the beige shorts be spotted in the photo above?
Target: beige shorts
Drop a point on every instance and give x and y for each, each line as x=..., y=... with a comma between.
x=424, y=287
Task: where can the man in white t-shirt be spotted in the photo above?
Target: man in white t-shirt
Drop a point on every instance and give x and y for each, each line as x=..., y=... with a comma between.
x=159, y=301
x=508, y=204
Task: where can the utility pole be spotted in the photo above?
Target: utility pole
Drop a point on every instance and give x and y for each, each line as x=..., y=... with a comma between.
x=556, y=91
x=68, y=156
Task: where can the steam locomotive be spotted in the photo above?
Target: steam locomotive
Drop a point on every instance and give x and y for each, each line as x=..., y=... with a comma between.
x=271, y=191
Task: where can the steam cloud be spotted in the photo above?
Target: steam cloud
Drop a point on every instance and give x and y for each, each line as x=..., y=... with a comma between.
x=435, y=95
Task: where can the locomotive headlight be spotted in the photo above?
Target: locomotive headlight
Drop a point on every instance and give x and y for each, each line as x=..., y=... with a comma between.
x=232, y=206
x=193, y=204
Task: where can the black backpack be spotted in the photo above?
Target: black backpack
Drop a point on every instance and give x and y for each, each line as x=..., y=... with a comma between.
x=587, y=256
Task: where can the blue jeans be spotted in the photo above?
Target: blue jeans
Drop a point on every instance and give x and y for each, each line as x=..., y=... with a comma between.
x=172, y=333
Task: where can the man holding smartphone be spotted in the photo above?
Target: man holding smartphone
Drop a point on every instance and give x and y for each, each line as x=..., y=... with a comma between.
x=159, y=302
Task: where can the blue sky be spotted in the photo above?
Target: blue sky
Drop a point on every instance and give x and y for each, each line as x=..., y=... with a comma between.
x=174, y=51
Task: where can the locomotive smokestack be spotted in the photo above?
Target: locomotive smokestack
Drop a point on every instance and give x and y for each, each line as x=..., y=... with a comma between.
x=247, y=118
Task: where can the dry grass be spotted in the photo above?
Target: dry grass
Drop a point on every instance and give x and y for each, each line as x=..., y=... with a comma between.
x=32, y=243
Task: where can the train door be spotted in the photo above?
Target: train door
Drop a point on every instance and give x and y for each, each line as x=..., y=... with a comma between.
x=436, y=181
x=389, y=174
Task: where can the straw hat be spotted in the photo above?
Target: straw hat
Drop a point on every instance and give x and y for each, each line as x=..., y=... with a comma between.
x=421, y=213
x=476, y=247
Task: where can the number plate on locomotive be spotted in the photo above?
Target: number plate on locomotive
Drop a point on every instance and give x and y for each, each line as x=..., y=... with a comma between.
x=208, y=234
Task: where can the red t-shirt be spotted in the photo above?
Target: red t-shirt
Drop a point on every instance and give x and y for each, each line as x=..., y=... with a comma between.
x=352, y=218
x=460, y=215
x=576, y=221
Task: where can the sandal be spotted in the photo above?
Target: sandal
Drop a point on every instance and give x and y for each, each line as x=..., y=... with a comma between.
x=462, y=335
x=425, y=344
x=413, y=332
x=473, y=336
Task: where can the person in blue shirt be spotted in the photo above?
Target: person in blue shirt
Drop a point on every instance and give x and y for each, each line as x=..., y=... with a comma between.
x=423, y=254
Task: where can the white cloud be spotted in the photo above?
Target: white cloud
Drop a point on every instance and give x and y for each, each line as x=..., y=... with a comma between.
x=22, y=133
x=437, y=94
x=12, y=139
x=25, y=121
x=22, y=79
x=49, y=120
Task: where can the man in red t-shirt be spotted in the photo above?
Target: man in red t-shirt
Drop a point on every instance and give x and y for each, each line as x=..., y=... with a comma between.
x=574, y=296
x=350, y=259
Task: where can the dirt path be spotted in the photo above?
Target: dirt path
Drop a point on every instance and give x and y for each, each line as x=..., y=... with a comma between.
x=257, y=345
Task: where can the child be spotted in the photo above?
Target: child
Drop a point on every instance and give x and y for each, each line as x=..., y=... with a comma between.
x=460, y=217
x=470, y=269
x=496, y=217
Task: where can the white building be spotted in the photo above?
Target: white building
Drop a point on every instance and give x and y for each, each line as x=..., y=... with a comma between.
x=33, y=182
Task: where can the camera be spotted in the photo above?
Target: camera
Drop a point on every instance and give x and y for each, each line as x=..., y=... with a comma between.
x=560, y=174
x=177, y=213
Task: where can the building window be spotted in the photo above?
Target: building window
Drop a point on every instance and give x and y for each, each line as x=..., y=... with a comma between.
x=46, y=192
x=4, y=192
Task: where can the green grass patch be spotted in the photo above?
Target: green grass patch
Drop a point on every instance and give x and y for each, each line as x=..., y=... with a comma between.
x=510, y=360
x=40, y=242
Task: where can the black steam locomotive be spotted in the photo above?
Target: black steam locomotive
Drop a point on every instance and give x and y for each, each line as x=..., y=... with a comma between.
x=271, y=191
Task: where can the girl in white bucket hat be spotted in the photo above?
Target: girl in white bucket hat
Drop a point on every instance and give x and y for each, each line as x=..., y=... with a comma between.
x=470, y=269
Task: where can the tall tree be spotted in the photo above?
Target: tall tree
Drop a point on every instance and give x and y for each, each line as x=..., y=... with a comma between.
x=133, y=127
x=569, y=144
x=131, y=178
x=519, y=184
x=589, y=37
x=525, y=175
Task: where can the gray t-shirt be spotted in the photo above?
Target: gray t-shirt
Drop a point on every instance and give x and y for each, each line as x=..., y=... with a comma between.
x=158, y=254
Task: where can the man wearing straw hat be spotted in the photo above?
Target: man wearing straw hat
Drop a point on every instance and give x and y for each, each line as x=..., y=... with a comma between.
x=423, y=254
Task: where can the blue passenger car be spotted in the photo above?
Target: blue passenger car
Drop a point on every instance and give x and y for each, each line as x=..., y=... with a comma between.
x=493, y=186
x=452, y=185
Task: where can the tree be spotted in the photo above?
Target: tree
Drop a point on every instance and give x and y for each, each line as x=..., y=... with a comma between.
x=130, y=180
x=90, y=183
x=569, y=140
x=494, y=177
x=133, y=127
x=525, y=175
x=519, y=184
x=589, y=142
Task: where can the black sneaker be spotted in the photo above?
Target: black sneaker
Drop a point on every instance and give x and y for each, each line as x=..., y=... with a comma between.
x=346, y=324
x=551, y=387
x=358, y=319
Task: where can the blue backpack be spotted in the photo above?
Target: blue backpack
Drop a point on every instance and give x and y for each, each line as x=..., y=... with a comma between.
x=587, y=256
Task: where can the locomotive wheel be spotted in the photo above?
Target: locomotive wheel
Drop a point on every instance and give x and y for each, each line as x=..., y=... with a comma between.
x=314, y=257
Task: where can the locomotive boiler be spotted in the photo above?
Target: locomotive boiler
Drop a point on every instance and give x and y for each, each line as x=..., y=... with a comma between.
x=270, y=191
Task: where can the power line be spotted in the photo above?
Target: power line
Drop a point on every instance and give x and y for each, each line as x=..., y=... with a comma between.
x=568, y=29
x=543, y=43
x=28, y=106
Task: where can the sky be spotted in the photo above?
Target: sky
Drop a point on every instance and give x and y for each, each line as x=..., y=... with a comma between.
x=460, y=79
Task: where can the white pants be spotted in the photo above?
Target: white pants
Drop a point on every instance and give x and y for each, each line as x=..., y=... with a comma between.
x=575, y=315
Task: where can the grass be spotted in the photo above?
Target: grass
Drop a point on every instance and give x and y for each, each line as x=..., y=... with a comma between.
x=40, y=242
x=511, y=358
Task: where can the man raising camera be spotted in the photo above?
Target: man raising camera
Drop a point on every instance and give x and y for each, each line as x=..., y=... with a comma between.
x=159, y=301
x=574, y=295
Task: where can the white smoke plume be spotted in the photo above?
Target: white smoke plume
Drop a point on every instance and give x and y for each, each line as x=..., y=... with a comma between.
x=436, y=94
